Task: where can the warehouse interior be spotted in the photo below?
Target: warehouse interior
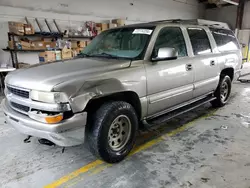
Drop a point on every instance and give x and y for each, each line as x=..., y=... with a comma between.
x=205, y=147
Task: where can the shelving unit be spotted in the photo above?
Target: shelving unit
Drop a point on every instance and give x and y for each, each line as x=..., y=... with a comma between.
x=55, y=35
x=19, y=50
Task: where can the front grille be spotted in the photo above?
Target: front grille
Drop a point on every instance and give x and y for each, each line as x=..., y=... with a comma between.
x=18, y=92
x=20, y=107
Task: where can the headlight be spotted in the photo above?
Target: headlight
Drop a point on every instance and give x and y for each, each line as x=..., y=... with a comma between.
x=49, y=97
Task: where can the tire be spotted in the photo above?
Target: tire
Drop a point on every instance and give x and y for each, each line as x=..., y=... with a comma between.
x=223, y=91
x=111, y=122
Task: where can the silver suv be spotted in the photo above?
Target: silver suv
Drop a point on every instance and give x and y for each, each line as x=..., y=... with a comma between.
x=144, y=73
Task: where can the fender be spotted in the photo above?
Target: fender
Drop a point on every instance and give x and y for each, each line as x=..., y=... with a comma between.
x=94, y=89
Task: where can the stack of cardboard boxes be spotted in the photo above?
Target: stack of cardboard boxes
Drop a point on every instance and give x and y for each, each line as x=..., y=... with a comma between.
x=22, y=29
x=78, y=46
x=50, y=53
x=118, y=22
x=67, y=52
x=101, y=27
x=19, y=28
x=25, y=44
x=104, y=26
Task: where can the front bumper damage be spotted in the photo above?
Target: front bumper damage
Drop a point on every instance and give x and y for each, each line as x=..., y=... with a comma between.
x=69, y=132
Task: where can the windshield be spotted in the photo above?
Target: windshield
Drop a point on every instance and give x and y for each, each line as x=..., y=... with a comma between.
x=128, y=43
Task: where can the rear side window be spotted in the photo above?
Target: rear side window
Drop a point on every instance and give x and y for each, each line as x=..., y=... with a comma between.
x=171, y=37
x=225, y=39
x=199, y=41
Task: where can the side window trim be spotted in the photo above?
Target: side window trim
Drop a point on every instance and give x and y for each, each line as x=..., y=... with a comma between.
x=187, y=41
x=183, y=35
x=212, y=30
x=212, y=47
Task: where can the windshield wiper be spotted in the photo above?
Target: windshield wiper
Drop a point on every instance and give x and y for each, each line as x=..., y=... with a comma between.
x=104, y=54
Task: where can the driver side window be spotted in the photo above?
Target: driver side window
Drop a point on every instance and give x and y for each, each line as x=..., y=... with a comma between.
x=171, y=37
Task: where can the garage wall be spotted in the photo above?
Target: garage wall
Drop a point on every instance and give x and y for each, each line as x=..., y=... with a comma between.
x=229, y=14
x=70, y=14
x=226, y=14
x=246, y=18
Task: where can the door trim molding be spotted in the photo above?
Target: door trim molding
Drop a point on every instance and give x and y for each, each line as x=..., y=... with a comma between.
x=178, y=106
x=206, y=82
x=157, y=97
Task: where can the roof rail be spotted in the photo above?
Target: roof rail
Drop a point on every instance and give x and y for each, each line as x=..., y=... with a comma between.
x=195, y=22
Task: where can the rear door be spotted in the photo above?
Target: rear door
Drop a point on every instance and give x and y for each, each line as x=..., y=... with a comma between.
x=229, y=49
x=205, y=61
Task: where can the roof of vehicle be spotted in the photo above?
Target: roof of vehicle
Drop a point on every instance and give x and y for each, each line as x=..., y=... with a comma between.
x=199, y=22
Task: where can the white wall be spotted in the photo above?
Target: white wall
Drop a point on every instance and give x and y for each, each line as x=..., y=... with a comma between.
x=72, y=13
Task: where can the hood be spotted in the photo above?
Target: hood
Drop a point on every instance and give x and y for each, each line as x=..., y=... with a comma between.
x=44, y=77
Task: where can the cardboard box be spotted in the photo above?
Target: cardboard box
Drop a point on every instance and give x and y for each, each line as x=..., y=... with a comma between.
x=112, y=25
x=47, y=56
x=82, y=44
x=119, y=22
x=16, y=28
x=11, y=44
x=98, y=28
x=66, y=53
x=74, y=44
x=28, y=29
x=78, y=44
x=25, y=45
x=103, y=26
x=79, y=50
x=38, y=45
x=49, y=44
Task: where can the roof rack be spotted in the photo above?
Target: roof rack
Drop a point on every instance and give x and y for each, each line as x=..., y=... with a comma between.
x=195, y=22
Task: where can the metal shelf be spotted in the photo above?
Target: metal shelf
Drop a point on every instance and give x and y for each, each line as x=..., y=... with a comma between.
x=52, y=35
x=40, y=34
x=13, y=52
x=19, y=50
x=78, y=37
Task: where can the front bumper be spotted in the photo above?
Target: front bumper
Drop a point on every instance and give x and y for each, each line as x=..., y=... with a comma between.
x=69, y=132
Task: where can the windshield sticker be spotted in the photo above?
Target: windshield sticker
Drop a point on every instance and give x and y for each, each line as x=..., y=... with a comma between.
x=143, y=31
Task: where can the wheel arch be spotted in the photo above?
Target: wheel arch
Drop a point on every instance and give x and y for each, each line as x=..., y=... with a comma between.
x=130, y=97
x=229, y=72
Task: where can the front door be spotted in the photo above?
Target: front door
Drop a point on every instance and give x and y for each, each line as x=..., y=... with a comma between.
x=169, y=82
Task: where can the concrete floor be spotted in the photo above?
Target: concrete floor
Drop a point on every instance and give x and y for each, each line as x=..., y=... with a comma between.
x=210, y=150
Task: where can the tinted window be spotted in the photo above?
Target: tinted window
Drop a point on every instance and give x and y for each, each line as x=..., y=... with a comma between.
x=225, y=39
x=199, y=41
x=171, y=37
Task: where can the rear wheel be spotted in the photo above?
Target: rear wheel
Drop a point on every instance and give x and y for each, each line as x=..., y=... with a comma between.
x=111, y=131
x=223, y=91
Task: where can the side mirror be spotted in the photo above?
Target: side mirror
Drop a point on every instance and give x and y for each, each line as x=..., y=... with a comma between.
x=166, y=54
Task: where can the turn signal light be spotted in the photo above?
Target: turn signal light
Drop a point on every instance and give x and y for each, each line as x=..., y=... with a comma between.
x=54, y=119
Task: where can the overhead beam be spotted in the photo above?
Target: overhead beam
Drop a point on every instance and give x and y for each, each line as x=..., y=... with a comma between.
x=231, y=2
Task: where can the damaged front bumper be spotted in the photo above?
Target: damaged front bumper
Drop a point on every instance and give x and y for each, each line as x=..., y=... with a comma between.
x=69, y=132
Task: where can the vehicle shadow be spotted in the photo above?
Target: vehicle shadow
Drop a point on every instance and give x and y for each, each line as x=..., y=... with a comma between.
x=147, y=134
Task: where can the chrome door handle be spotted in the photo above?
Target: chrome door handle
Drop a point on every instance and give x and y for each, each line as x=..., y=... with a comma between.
x=212, y=63
x=189, y=67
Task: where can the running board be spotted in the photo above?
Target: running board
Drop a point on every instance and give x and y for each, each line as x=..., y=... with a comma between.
x=163, y=118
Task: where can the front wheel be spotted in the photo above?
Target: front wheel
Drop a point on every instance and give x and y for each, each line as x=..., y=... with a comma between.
x=111, y=131
x=223, y=91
